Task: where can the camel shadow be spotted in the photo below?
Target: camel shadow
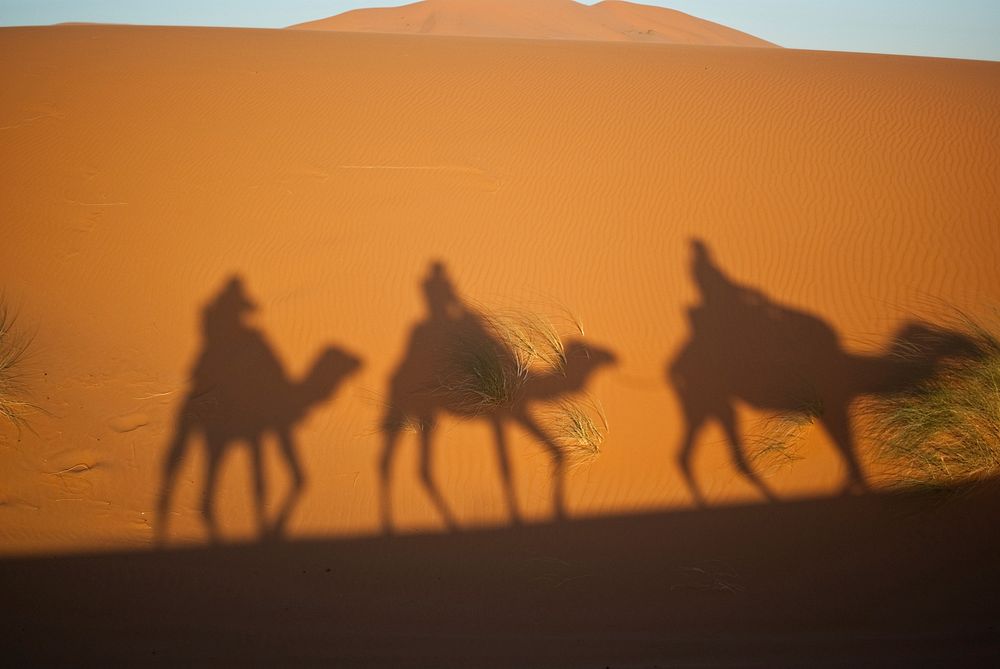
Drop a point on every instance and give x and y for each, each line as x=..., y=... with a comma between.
x=456, y=363
x=239, y=393
x=745, y=347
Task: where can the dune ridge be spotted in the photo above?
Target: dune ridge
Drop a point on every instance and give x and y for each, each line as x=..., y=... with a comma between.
x=610, y=20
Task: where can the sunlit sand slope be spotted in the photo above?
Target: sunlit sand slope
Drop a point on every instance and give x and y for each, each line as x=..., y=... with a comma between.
x=835, y=197
x=538, y=19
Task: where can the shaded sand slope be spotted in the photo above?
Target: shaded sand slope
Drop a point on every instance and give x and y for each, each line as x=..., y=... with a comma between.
x=146, y=167
x=538, y=19
x=864, y=581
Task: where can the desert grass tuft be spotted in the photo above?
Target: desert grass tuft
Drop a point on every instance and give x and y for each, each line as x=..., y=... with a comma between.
x=533, y=338
x=775, y=444
x=945, y=430
x=491, y=355
x=483, y=375
x=13, y=346
x=575, y=431
x=397, y=420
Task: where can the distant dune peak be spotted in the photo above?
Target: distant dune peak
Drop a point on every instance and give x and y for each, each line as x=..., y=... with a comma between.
x=611, y=20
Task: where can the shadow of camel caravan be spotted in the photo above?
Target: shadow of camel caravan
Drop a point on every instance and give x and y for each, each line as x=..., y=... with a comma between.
x=470, y=364
x=745, y=347
x=239, y=393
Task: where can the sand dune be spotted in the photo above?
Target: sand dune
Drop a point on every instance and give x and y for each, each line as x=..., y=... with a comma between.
x=611, y=20
x=146, y=168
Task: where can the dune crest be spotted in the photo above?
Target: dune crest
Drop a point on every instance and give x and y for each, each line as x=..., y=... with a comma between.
x=611, y=20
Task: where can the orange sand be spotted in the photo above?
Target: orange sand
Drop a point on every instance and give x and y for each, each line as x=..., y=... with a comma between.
x=146, y=166
x=611, y=20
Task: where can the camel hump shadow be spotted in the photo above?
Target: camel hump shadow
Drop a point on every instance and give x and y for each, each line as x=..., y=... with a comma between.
x=239, y=393
x=745, y=347
x=457, y=363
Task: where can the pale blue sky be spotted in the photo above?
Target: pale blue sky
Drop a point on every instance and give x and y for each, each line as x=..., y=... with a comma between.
x=951, y=28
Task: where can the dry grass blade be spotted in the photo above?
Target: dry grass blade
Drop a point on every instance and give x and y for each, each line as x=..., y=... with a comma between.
x=714, y=576
x=947, y=429
x=776, y=443
x=533, y=338
x=482, y=376
x=577, y=434
x=490, y=357
x=13, y=346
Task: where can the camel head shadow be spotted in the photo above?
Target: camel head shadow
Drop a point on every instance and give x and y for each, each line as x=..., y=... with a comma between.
x=457, y=363
x=240, y=393
x=330, y=368
x=580, y=361
x=745, y=347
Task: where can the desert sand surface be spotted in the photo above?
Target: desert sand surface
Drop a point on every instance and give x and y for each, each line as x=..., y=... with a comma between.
x=610, y=20
x=183, y=205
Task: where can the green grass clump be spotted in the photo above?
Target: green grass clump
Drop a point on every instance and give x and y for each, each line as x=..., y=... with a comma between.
x=946, y=429
x=12, y=350
x=575, y=431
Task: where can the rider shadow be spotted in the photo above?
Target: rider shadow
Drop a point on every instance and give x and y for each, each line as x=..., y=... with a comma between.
x=745, y=347
x=239, y=393
x=457, y=363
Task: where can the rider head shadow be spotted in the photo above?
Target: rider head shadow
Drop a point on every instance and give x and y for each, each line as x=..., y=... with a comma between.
x=745, y=347
x=456, y=363
x=239, y=393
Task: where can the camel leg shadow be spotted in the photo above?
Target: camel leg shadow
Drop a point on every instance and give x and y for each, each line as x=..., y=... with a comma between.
x=175, y=455
x=287, y=446
x=684, y=459
x=427, y=477
x=727, y=418
x=259, y=487
x=837, y=423
x=503, y=460
x=208, y=494
x=392, y=432
x=558, y=463
x=385, y=477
